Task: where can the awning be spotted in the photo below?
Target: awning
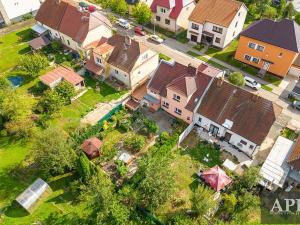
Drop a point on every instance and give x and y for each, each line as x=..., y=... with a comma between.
x=39, y=42
x=39, y=29
x=151, y=99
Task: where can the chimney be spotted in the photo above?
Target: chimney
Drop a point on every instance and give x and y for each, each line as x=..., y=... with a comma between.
x=220, y=81
x=127, y=40
x=58, y=2
x=255, y=97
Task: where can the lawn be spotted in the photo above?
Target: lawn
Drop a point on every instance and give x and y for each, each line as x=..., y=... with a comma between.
x=13, y=45
x=164, y=57
x=182, y=37
x=196, y=55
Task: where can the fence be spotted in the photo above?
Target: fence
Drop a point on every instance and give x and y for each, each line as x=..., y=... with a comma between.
x=110, y=113
x=185, y=133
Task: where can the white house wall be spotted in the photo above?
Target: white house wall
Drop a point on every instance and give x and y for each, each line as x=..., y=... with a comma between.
x=121, y=75
x=235, y=138
x=163, y=16
x=182, y=20
x=96, y=34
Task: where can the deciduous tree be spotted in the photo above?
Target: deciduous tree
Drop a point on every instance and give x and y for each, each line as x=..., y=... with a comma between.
x=142, y=13
x=33, y=64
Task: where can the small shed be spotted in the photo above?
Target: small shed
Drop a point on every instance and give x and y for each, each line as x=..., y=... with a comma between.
x=39, y=29
x=216, y=178
x=30, y=197
x=92, y=147
x=125, y=157
x=39, y=43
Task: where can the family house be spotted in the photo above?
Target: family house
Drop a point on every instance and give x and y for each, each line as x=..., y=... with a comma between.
x=172, y=14
x=236, y=116
x=54, y=77
x=72, y=25
x=216, y=22
x=271, y=46
x=282, y=164
x=119, y=57
x=13, y=10
x=178, y=89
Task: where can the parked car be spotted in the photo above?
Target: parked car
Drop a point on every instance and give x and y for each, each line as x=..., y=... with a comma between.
x=139, y=30
x=156, y=39
x=123, y=23
x=252, y=83
x=91, y=8
x=296, y=105
x=83, y=5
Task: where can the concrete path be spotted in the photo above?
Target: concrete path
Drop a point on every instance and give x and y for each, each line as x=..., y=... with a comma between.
x=17, y=26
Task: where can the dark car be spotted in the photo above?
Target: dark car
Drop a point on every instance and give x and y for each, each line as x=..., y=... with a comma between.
x=296, y=105
x=139, y=30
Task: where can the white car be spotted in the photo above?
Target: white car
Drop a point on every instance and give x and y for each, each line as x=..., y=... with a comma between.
x=123, y=23
x=252, y=83
x=156, y=39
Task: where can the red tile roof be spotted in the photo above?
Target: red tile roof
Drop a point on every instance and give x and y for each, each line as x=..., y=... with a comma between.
x=216, y=178
x=132, y=104
x=294, y=158
x=61, y=73
x=185, y=80
x=93, y=67
x=91, y=147
x=252, y=115
x=175, y=5
x=67, y=19
x=39, y=42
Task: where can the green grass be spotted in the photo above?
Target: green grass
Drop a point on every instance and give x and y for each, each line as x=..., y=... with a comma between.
x=266, y=87
x=13, y=45
x=272, y=79
x=208, y=61
x=289, y=134
x=164, y=57
x=181, y=37
x=199, y=47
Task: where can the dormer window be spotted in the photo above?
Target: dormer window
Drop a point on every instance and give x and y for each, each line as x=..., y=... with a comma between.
x=163, y=10
x=176, y=97
x=98, y=60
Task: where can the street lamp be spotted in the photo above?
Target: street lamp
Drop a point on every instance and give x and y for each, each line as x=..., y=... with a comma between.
x=154, y=25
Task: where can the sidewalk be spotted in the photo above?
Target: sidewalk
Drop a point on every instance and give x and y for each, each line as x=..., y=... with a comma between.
x=17, y=26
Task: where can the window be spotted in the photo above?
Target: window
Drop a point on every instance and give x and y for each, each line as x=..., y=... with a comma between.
x=116, y=72
x=188, y=118
x=167, y=21
x=251, y=45
x=218, y=40
x=195, y=26
x=98, y=60
x=255, y=60
x=157, y=18
x=200, y=119
x=163, y=10
x=176, y=98
x=217, y=29
x=178, y=111
x=239, y=14
x=243, y=142
x=237, y=22
x=251, y=146
x=68, y=42
x=166, y=105
x=280, y=54
x=144, y=56
x=233, y=34
x=260, y=48
x=247, y=57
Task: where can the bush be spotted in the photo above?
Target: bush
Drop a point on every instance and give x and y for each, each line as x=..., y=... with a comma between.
x=237, y=79
x=297, y=18
x=121, y=168
x=151, y=126
x=56, y=45
x=135, y=142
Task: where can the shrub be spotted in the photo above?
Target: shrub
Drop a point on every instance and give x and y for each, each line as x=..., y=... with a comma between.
x=56, y=45
x=297, y=18
x=151, y=126
x=135, y=142
x=237, y=79
x=122, y=169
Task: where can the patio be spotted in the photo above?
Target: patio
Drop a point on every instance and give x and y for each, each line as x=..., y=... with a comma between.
x=241, y=157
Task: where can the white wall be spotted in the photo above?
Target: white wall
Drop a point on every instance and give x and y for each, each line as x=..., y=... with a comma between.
x=163, y=16
x=96, y=34
x=295, y=71
x=182, y=20
x=235, y=138
x=18, y=8
x=121, y=75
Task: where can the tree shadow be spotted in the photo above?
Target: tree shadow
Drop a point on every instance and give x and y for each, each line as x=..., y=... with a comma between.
x=24, y=50
x=25, y=35
x=194, y=185
x=15, y=210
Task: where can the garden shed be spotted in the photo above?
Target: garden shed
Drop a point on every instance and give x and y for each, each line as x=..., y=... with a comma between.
x=30, y=197
x=92, y=147
x=216, y=178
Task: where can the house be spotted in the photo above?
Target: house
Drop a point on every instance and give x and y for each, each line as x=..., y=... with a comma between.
x=271, y=46
x=72, y=25
x=178, y=89
x=91, y=147
x=172, y=15
x=216, y=22
x=282, y=164
x=54, y=77
x=119, y=57
x=216, y=178
x=12, y=11
x=236, y=116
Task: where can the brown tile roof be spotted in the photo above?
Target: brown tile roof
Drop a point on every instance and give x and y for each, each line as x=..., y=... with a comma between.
x=185, y=80
x=67, y=19
x=252, y=116
x=294, y=158
x=39, y=42
x=103, y=48
x=93, y=67
x=140, y=91
x=125, y=56
x=284, y=33
x=61, y=73
x=91, y=147
x=220, y=12
x=132, y=104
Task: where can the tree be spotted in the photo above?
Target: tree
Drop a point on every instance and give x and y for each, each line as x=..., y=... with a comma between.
x=51, y=102
x=248, y=181
x=135, y=142
x=229, y=203
x=66, y=91
x=21, y=128
x=281, y=8
x=289, y=11
x=119, y=6
x=261, y=6
x=203, y=200
x=158, y=183
x=151, y=126
x=237, y=79
x=56, y=45
x=33, y=64
x=297, y=18
x=53, y=153
x=142, y=13
x=4, y=83
x=270, y=12
x=84, y=167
